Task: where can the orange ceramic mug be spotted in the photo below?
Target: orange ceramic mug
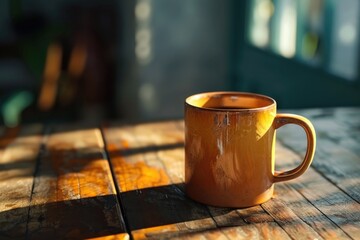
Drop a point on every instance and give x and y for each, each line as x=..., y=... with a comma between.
x=230, y=145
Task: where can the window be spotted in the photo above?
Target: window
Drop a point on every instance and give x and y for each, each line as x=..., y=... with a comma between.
x=321, y=33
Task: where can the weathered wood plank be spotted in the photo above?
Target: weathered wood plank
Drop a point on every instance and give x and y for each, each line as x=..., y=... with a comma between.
x=256, y=216
x=74, y=195
x=289, y=221
x=248, y=223
x=253, y=232
x=19, y=148
x=134, y=146
x=148, y=160
x=318, y=202
x=154, y=205
x=308, y=213
x=339, y=125
x=335, y=204
x=252, y=223
x=266, y=230
x=338, y=150
x=73, y=179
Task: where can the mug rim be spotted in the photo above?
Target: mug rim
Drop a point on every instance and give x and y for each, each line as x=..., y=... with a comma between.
x=255, y=95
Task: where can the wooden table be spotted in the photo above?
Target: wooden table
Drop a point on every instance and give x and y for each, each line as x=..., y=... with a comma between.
x=125, y=181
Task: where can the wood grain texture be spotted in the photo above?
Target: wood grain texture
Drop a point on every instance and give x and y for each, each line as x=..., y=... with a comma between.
x=338, y=149
x=155, y=206
x=148, y=161
x=289, y=221
x=59, y=185
x=74, y=196
x=281, y=214
x=267, y=230
x=327, y=209
x=19, y=149
x=247, y=223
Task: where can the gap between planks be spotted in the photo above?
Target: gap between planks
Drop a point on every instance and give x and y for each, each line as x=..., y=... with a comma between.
x=115, y=181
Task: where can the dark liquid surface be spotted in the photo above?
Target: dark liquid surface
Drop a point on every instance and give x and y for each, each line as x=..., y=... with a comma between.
x=234, y=108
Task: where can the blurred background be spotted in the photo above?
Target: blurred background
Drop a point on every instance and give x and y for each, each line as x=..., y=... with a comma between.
x=77, y=60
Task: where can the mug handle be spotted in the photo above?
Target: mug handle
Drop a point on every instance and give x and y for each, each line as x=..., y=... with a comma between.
x=283, y=119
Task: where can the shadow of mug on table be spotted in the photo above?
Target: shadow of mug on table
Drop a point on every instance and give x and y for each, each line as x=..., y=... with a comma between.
x=230, y=148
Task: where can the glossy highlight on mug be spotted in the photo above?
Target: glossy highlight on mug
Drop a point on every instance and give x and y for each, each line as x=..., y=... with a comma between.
x=230, y=146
